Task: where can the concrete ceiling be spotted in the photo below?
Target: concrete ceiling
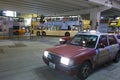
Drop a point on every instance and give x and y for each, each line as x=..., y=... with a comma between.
x=111, y=12
x=51, y=7
x=48, y=7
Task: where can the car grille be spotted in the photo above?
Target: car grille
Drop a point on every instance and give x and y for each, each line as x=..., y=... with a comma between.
x=54, y=58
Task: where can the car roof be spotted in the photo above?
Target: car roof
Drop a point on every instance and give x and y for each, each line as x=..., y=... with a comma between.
x=97, y=33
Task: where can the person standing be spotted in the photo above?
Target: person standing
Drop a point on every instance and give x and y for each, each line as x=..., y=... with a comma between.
x=80, y=28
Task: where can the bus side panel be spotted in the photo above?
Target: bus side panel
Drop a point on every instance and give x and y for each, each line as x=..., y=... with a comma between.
x=51, y=32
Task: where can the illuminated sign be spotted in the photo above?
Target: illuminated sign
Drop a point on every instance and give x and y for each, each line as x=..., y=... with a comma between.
x=9, y=13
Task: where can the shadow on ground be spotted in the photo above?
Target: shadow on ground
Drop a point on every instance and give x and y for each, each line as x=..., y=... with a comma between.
x=50, y=74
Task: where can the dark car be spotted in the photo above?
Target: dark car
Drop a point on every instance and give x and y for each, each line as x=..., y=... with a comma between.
x=84, y=52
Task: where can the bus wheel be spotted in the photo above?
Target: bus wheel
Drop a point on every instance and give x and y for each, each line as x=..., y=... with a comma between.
x=38, y=33
x=43, y=33
x=67, y=34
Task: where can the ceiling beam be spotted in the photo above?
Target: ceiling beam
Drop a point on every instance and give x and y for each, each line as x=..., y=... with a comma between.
x=46, y=6
x=116, y=4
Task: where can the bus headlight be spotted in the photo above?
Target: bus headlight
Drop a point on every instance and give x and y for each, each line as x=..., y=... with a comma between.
x=46, y=53
x=66, y=61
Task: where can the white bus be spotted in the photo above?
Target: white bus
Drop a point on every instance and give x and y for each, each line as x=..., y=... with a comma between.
x=58, y=27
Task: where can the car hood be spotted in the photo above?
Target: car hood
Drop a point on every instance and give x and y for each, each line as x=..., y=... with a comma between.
x=69, y=50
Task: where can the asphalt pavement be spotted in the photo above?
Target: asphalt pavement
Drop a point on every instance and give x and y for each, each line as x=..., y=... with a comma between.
x=22, y=60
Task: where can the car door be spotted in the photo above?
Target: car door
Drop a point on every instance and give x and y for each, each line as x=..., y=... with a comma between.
x=102, y=51
x=113, y=46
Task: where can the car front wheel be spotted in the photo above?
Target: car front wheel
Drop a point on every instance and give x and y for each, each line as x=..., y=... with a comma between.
x=117, y=58
x=84, y=70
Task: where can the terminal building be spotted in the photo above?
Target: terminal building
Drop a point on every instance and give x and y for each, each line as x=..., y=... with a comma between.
x=29, y=28
x=94, y=14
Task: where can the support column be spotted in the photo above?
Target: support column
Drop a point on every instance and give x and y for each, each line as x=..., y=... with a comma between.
x=95, y=18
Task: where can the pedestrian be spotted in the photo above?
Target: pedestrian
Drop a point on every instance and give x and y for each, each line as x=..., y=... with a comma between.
x=80, y=26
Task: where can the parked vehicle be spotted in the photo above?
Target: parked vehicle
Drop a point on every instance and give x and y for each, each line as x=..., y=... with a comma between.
x=83, y=53
x=57, y=26
x=18, y=30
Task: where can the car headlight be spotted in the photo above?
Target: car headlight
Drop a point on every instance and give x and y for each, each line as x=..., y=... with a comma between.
x=66, y=61
x=61, y=39
x=46, y=53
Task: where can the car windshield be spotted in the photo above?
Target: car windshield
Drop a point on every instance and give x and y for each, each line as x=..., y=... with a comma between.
x=88, y=41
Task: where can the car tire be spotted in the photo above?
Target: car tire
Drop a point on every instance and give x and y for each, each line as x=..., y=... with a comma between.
x=117, y=58
x=85, y=70
x=38, y=33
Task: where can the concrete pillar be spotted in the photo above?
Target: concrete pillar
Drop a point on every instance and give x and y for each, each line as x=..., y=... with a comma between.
x=95, y=18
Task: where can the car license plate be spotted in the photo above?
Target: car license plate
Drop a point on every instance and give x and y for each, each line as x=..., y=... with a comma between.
x=52, y=65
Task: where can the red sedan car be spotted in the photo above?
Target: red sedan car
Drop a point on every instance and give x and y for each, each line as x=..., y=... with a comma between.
x=82, y=53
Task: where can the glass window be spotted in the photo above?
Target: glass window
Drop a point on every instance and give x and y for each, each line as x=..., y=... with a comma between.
x=103, y=40
x=16, y=27
x=112, y=39
x=84, y=40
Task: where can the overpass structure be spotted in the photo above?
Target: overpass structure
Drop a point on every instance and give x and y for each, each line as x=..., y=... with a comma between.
x=95, y=8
